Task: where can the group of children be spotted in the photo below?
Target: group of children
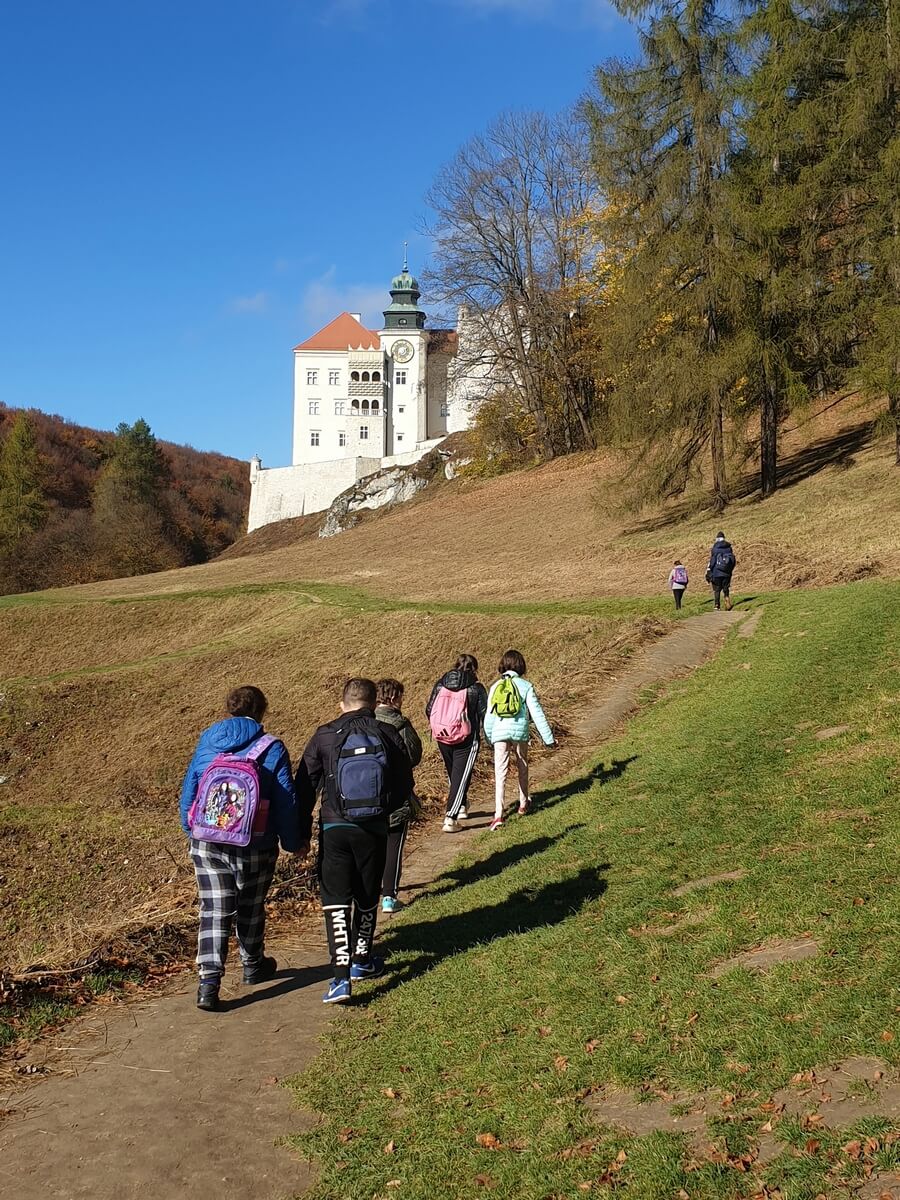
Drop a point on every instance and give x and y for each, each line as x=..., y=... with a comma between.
x=240, y=802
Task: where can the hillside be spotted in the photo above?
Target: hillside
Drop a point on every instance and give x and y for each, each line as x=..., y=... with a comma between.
x=119, y=675
x=547, y=532
x=206, y=496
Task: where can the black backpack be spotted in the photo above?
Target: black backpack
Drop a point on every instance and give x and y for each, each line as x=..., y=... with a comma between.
x=725, y=561
x=358, y=780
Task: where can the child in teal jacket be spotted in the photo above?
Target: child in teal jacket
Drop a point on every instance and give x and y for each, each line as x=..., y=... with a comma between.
x=507, y=726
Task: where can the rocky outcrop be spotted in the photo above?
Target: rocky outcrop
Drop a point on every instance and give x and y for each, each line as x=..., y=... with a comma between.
x=395, y=485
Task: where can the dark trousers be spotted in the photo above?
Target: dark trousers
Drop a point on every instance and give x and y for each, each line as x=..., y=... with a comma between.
x=721, y=587
x=351, y=864
x=393, y=863
x=678, y=593
x=232, y=882
x=459, y=762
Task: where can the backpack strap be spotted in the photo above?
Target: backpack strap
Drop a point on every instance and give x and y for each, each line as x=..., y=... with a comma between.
x=259, y=747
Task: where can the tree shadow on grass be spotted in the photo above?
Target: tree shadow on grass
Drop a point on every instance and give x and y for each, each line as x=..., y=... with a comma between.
x=423, y=944
x=598, y=774
x=495, y=864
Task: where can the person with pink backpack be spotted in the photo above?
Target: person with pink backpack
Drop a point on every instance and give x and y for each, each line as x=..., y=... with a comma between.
x=455, y=712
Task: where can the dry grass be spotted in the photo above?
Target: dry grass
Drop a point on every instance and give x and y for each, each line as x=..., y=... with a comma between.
x=88, y=816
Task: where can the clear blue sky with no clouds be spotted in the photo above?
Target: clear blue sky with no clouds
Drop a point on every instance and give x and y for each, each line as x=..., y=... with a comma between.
x=192, y=187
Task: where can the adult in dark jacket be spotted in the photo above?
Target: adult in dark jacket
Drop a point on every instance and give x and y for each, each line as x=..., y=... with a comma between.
x=233, y=880
x=389, y=710
x=721, y=565
x=351, y=852
x=460, y=757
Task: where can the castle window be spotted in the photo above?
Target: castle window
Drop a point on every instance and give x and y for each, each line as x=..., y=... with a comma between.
x=375, y=407
x=363, y=433
x=401, y=408
x=376, y=377
x=365, y=407
x=339, y=407
x=354, y=376
x=312, y=378
x=314, y=437
x=399, y=437
x=399, y=378
x=342, y=438
x=334, y=378
x=354, y=407
x=445, y=410
x=365, y=376
x=313, y=408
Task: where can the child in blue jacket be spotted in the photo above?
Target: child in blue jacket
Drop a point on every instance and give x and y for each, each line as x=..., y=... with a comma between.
x=233, y=880
x=511, y=708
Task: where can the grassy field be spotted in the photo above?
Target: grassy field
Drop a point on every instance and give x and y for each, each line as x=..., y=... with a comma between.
x=558, y=960
x=101, y=703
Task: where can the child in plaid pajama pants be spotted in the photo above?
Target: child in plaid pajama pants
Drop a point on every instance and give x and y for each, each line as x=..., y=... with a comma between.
x=233, y=880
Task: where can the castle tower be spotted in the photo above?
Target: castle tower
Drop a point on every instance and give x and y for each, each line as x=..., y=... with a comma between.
x=405, y=342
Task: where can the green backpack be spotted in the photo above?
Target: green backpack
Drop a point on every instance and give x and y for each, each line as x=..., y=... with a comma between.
x=507, y=699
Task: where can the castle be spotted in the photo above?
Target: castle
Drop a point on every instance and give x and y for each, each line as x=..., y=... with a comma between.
x=365, y=400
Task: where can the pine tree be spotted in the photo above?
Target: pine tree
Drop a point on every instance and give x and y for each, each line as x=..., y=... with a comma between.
x=23, y=505
x=130, y=511
x=662, y=137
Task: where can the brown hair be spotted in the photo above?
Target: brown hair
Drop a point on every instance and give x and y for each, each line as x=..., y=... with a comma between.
x=512, y=660
x=359, y=691
x=246, y=701
x=390, y=691
x=467, y=662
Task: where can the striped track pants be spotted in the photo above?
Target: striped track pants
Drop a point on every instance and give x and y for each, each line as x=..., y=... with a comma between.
x=459, y=762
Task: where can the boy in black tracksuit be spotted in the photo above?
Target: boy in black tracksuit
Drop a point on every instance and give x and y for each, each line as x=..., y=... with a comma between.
x=720, y=569
x=351, y=853
x=459, y=759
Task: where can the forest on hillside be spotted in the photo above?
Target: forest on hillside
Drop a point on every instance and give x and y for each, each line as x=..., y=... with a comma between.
x=77, y=504
x=706, y=245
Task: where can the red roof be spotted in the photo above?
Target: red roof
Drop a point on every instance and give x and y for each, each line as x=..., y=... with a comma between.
x=343, y=333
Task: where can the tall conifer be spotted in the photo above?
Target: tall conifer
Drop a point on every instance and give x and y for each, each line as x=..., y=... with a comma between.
x=23, y=504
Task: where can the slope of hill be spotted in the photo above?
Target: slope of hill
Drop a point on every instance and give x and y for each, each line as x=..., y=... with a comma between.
x=206, y=499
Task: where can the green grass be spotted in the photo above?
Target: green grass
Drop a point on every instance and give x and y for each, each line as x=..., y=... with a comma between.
x=526, y=977
x=31, y=1012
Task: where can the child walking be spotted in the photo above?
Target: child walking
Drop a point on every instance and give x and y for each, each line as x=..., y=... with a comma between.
x=678, y=581
x=388, y=711
x=512, y=706
x=455, y=712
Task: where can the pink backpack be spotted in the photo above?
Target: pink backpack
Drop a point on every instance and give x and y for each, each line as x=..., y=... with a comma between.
x=449, y=718
x=230, y=807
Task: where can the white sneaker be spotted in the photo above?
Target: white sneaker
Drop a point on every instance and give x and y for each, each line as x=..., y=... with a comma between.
x=463, y=814
x=450, y=826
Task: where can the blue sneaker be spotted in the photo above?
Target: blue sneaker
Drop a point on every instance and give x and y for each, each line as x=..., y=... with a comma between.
x=370, y=970
x=338, y=992
x=388, y=904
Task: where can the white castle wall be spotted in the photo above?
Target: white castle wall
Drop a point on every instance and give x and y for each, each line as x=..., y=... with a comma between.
x=277, y=493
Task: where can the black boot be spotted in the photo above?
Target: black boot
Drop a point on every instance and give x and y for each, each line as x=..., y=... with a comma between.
x=208, y=995
x=261, y=971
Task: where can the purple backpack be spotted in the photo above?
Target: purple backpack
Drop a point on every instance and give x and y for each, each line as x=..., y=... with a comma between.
x=229, y=807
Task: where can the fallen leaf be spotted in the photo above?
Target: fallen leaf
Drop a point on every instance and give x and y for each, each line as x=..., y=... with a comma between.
x=853, y=1150
x=887, y=1036
x=591, y=1046
x=561, y=1063
x=390, y=1147
x=271, y=1080
x=345, y=1135
x=621, y=1157
x=544, y=1030
x=485, y=1181
x=622, y=1000
x=390, y=1093
x=393, y=1183
x=489, y=1141
x=585, y=1185
x=813, y=1146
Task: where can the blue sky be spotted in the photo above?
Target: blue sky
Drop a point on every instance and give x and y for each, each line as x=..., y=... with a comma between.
x=191, y=188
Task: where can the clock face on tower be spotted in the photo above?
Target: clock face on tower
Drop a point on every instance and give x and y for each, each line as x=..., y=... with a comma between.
x=402, y=351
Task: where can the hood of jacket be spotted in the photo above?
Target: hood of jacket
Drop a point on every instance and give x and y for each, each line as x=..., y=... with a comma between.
x=457, y=680
x=390, y=716
x=234, y=733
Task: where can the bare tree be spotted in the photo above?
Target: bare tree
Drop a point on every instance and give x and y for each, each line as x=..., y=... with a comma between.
x=512, y=247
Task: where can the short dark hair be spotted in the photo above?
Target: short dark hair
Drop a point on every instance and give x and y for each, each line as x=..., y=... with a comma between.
x=246, y=701
x=467, y=662
x=390, y=691
x=360, y=691
x=512, y=660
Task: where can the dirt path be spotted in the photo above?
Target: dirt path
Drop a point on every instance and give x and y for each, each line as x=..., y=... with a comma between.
x=160, y=1101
